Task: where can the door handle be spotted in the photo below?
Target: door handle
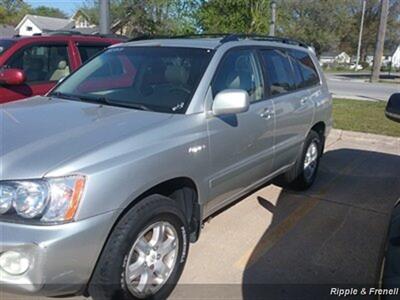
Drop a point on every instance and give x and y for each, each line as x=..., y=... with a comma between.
x=267, y=113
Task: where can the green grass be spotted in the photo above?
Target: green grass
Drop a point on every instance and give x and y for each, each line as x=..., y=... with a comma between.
x=363, y=116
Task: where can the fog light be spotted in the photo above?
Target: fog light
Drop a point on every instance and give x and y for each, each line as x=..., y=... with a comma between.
x=14, y=263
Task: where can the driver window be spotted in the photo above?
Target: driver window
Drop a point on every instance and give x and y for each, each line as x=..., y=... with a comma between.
x=42, y=63
x=240, y=70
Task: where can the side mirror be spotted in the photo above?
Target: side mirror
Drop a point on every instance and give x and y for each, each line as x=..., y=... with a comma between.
x=393, y=108
x=231, y=101
x=12, y=77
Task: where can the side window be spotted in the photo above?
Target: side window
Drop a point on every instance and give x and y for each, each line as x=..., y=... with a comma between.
x=42, y=63
x=240, y=70
x=88, y=51
x=307, y=68
x=298, y=77
x=279, y=71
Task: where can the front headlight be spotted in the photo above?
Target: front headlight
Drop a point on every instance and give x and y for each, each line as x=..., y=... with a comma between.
x=50, y=200
x=31, y=198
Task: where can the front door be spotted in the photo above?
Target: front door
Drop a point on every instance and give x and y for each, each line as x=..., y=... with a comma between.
x=43, y=65
x=241, y=145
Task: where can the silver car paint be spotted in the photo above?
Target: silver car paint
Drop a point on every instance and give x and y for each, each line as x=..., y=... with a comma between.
x=125, y=152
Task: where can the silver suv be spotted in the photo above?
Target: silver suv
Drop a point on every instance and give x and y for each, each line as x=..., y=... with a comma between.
x=106, y=180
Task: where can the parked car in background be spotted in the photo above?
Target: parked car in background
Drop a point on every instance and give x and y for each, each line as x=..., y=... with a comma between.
x=107, y=179
x=391, y=263
x=393, y=108
x=31, y=66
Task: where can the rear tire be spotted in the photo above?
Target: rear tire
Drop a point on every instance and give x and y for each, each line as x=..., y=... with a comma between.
x=302, y=175
x=138, y=249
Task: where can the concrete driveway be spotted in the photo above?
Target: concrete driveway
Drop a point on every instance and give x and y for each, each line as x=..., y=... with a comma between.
x=279, y=244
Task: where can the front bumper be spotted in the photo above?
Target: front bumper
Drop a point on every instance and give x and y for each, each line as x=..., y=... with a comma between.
x=62, y=257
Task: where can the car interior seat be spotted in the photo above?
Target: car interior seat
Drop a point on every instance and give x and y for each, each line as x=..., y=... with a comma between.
x=61, y=71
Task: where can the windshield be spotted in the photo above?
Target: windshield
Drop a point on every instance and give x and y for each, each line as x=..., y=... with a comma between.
x=4, y=45
x=161, y=79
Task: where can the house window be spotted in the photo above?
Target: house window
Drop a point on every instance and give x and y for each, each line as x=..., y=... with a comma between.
x=29, y=28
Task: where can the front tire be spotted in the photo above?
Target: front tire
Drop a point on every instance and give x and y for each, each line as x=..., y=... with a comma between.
x=145, y=254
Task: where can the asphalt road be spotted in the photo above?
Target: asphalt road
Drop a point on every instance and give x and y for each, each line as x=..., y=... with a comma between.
x=343, y=87
x=300, y=243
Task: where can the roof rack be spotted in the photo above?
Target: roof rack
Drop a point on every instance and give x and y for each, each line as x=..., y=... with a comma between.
x=74, y=32
x=186, y=36
x=269, y=38
x=226, y=37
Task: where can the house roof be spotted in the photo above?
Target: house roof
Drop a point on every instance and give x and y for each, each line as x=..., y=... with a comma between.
x=80, y=12
x=87, y=30
x=84, y=30
x=45, y=23
x=6, y=31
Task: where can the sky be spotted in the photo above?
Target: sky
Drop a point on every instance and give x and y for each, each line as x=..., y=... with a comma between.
x=68, y=6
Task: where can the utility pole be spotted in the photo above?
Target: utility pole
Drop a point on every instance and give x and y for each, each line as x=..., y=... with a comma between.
x=273, y=18
x=380, y=41
x=361, y=33
x=104, y=16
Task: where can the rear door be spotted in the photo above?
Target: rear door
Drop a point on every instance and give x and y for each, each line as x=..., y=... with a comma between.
x=241, y=145
x=293, y=107
x=43, y=64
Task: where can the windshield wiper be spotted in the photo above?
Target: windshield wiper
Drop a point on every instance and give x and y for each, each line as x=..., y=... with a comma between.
x=107, y=101
x=64, y=96
x=101, y=100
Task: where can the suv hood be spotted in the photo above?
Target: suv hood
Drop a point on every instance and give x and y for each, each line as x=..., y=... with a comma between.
x=38, y=134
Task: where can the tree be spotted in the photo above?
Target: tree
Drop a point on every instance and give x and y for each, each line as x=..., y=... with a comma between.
x=148, y=16
x=236, y=16
x=12, y=11
x=349, y=38
x=48, y=12
x=320, y=23
x=380, y=40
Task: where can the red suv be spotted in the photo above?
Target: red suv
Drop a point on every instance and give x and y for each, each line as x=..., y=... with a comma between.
x=31, y=66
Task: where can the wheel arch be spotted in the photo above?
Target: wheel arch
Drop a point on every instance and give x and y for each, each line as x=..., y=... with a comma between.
x=181, y=189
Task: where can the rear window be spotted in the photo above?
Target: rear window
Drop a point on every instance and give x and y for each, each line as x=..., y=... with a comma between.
x=306, y=66
x=88, y=51
x=4, y=45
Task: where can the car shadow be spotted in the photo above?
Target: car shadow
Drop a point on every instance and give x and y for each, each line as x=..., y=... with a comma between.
x=330, y=236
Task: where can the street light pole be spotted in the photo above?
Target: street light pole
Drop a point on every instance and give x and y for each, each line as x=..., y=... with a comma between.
x=361, y=33
x=104, y=16
x=273, y=18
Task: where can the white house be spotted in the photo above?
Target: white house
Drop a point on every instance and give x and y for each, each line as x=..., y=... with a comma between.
x=343, y=58
x=32, y=24
x=327, y=58
x=396, y=58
